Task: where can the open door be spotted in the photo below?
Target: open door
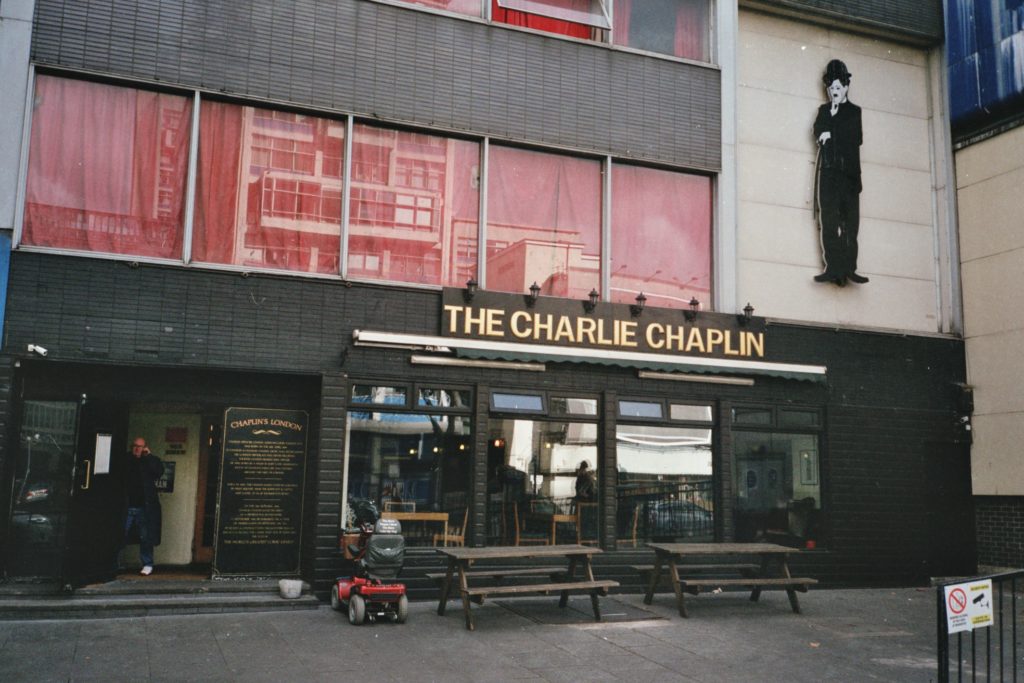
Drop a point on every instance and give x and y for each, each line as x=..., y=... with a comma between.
x=41, y=495
x=97, y=496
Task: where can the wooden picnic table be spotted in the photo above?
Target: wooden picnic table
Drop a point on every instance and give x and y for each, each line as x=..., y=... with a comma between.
x=771, y=572
x=425, y=516
x=563, y=579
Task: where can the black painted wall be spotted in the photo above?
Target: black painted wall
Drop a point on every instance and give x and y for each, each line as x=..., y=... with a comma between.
x=399, y=65
x=887, y=398
x=1000, y=528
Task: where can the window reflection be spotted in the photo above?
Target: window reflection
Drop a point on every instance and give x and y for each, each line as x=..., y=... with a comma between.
x=544, y=222
x=664, y=484
x=414, y=464
x=670, y=27
x=778, y=489
x=661, y=236
x=414, y=207
x=269, y=189
x=534, y=473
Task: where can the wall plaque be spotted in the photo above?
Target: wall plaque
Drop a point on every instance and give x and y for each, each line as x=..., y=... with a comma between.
x=259, y=506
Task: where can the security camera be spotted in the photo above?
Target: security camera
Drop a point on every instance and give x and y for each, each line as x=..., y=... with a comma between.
x=35, y=348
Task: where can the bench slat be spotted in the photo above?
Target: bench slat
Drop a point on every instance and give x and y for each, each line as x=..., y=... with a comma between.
x=498, y=573
x=542, y=588
x=694, y=585
x=647, y=568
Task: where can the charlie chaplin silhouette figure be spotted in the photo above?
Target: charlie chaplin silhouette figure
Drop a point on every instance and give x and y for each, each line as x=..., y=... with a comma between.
x=837, y=183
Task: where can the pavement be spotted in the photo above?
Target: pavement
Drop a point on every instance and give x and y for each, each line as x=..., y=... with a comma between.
x=842, y=635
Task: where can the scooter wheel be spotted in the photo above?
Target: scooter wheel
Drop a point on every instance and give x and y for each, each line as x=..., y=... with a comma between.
x=402, y=611
x=356, y=610
x=335, y=600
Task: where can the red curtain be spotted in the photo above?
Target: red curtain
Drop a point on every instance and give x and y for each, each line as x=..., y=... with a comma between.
x=544, y=222
x=107, y=169
x=675, y=27
x=536, y=21
x=220, y=146
x=267, y=189
x=661, y=235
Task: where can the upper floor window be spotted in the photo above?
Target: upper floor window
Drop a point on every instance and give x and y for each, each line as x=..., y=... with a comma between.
x=661, y=236
x=543, y=222
x=269, y=189
x=680, y=28
x=414, y=207
x=107, y=169
x=677, y=28
x=470, y=8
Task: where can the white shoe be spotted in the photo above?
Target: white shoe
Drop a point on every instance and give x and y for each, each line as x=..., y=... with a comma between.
x=147, y=570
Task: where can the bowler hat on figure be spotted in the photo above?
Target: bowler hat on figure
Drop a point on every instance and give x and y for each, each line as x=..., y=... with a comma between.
x=836, y=71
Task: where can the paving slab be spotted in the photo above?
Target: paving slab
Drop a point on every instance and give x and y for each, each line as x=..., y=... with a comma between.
x=843, y=635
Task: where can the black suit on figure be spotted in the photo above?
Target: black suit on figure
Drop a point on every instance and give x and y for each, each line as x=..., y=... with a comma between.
x=837, y=188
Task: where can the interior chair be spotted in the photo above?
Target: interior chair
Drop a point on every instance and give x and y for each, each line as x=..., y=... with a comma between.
x=524, y=535
x=631, y=538
x=399, y=506
x=587, y=526
x=456, y=534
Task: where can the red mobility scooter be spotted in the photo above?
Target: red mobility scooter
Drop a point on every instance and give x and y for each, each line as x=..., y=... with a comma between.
x=378, y=556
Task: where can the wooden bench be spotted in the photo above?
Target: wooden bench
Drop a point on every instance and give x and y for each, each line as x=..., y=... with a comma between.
x=739, y=568
x=596, y=587
x=789, y=584
x=502, y=573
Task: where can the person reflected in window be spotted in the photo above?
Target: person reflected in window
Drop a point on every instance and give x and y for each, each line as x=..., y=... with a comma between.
x=586, y=484
x=142, y=516
x=837, y=130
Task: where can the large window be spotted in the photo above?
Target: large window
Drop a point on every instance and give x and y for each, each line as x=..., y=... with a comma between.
x=541, y=481
x=107, y=169
x=544, y=222
x=108, y=173
x=415, y=207
x=671, y=27
x=665, y=480
x=661, y=236
x=777, y=477
x=269, y=190
x=411, y=461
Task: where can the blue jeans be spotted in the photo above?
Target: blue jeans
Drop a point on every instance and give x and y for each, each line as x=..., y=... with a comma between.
x=137, y=517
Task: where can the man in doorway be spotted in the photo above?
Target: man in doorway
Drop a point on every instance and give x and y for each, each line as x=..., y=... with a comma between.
x=837, y=130
x=141, y=472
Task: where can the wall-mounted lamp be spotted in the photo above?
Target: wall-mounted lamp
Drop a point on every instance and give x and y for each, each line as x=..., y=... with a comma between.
x=591, y=303
x=638, y=307
x=748, y=313
x=691, y=313
x=470, y=291
x=531, y=298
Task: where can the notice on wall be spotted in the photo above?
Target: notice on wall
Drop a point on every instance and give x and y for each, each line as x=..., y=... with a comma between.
x=259, y=510
x=968, y=605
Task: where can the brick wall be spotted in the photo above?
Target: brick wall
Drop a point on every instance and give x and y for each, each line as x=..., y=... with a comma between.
x=1000, y=529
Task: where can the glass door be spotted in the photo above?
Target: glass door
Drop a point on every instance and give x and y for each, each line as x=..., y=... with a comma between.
x=43, y=481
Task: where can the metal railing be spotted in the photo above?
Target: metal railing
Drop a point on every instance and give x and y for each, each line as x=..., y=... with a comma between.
x=991, y=652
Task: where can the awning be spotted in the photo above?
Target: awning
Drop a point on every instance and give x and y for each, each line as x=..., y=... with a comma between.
x=511, y=351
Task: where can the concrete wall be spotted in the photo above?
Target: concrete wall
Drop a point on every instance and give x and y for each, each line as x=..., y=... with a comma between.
x=780, y=89
x=15, y=36
x=989, y=178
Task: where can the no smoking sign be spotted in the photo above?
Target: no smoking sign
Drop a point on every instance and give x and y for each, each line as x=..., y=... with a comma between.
x=968, y=606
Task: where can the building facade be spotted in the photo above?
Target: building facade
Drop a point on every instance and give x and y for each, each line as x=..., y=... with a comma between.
x=986, y=72
x=439, y=255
